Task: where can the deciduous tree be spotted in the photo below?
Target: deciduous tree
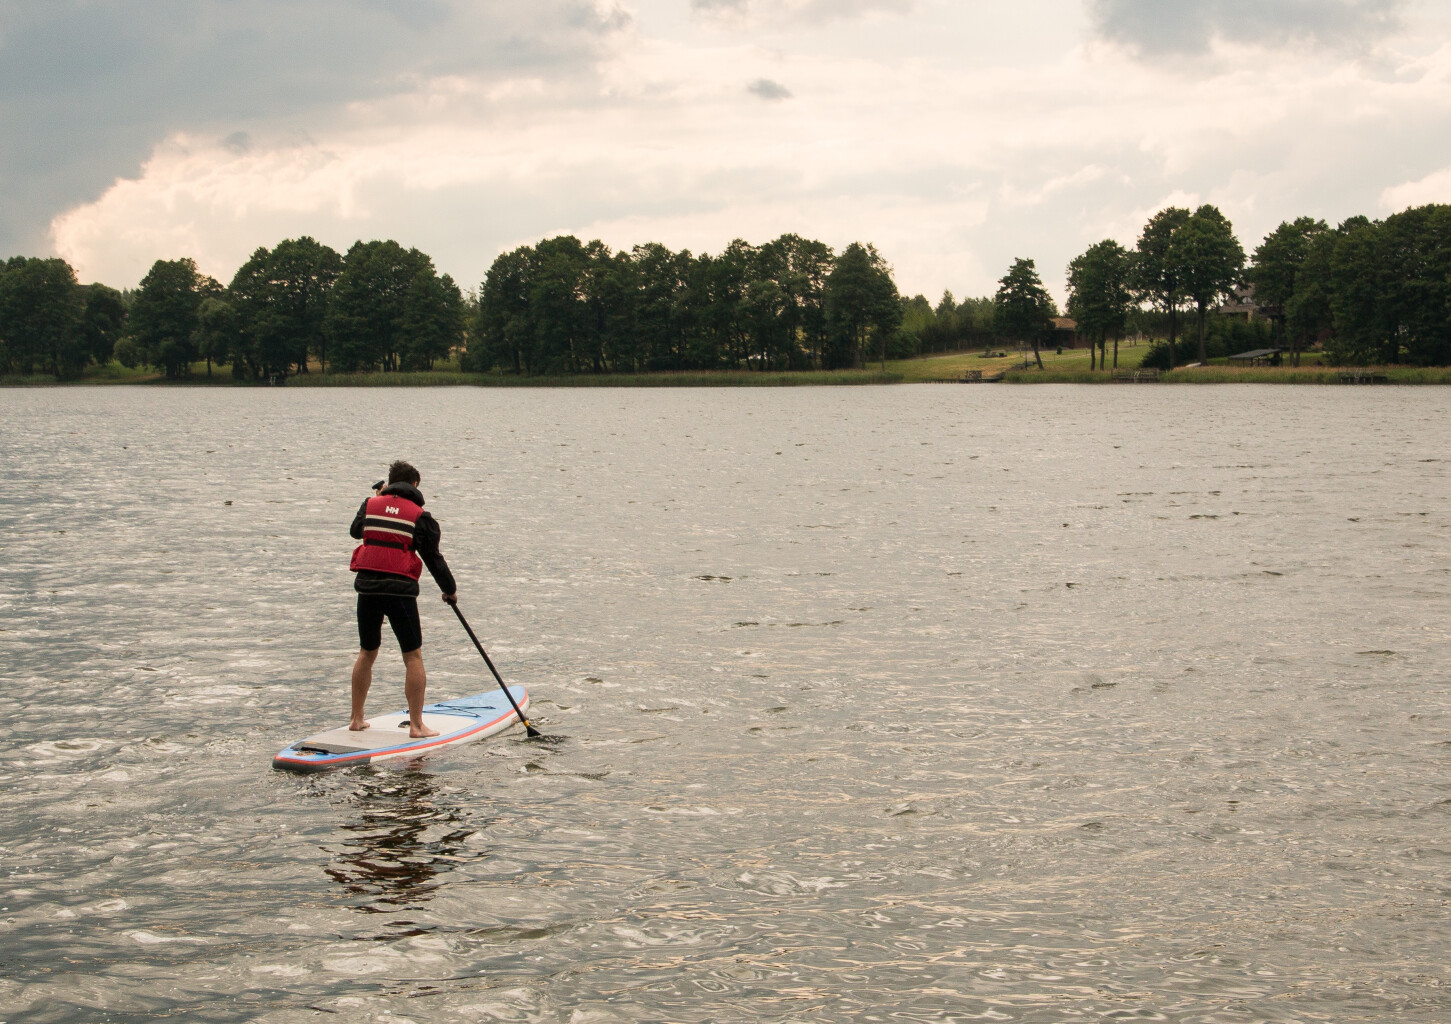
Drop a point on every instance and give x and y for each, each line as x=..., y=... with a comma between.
x=1156, y=275
x=1208, y=261
x=1098, y=293
x=103, y=321
x=1413, y=256
x=163, y=318
x=1024, y=307
x=863, y=307
x=433, y=319
x=1361, y=331
x=217, y=337
x=556, y=303
x=41, y=309
x=281, y=299
x=365, y=315
x=501, y=334
x=1276, y=264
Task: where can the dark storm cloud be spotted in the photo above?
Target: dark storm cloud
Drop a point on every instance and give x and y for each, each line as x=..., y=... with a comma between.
x=769, y=90
x=88, y=87
x=1190, y=26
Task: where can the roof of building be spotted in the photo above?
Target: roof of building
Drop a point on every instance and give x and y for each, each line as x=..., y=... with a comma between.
x=1063, y=323
x=1257, y=353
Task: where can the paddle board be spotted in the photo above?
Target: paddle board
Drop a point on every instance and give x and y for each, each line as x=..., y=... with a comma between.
x=458, y=721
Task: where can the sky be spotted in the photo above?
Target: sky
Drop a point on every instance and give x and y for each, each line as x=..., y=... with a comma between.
x=955, y=136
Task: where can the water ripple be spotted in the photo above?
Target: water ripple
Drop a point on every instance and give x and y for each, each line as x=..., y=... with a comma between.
x=1104, y=705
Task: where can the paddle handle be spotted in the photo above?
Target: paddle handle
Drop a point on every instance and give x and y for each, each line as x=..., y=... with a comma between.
x=529, y=729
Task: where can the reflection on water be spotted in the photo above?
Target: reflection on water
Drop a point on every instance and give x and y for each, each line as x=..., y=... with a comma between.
x=1035, y=705
x=397, y=841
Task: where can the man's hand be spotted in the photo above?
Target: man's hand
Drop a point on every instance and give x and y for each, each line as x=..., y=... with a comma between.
x=451, y=598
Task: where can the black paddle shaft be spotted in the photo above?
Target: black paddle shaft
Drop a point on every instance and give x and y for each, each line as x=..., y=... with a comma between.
x=528, y=729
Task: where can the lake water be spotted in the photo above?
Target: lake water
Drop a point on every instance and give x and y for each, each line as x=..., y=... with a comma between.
x=922, y=703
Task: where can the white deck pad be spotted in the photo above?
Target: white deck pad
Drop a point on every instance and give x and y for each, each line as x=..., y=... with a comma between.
x=464, y=720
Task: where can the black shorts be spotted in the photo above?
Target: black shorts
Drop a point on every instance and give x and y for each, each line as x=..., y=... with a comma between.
x=402, y=613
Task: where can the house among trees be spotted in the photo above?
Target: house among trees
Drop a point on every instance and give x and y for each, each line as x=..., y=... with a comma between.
x=1243, y=304
x=1065, y=333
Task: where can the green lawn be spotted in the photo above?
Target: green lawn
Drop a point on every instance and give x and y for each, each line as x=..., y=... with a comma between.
x=1071, y=364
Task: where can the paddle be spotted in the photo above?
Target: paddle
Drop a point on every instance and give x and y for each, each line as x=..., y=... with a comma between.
x=532, y=732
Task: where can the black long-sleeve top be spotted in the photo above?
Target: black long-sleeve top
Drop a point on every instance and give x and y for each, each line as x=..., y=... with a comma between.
x=426, y=535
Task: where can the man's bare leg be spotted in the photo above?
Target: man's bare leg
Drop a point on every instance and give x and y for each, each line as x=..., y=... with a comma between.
x=362, y=680
x=414, y=684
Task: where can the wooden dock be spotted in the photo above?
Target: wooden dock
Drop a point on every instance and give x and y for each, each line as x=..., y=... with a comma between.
x=1362, y=377
x=968, y=377
x=1134, y=376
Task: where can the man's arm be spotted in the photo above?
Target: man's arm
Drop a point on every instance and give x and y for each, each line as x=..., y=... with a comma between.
x=356, y=530
x=426, y=535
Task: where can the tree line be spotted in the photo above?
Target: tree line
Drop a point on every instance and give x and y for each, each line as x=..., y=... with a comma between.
x=379, y=306
x=1366, y=291
x=51, y=323
x=563, y=306
x=1183, y=262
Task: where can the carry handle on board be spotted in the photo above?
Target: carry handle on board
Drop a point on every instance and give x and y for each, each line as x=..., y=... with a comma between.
x=528, y=729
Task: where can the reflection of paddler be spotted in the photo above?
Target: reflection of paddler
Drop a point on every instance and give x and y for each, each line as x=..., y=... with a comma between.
x=398, y=539
x=386, y=854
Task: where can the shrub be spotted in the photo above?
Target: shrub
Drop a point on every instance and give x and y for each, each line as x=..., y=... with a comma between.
x=1223, y=336
x=128, y=353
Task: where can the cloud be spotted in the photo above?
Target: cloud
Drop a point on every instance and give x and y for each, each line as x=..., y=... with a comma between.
x=952, y=169
x=955, y=139
x=1433, y=188
x=756, y=13
x=1177, y=27
x=769, y=90
x=89, y=87
x=1014, y=195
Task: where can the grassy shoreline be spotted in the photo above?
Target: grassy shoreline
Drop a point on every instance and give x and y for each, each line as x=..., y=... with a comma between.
x=673, y=379
x=457, y=378
x=1067, y=367
x=945, y=366
x=1320, y=375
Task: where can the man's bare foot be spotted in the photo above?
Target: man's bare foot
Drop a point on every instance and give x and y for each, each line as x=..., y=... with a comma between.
x=357, y=726
x=415, y=733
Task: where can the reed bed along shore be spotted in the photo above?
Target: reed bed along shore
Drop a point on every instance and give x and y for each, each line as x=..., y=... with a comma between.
x=1307, y=374
x=115, y=374
x=1215, y=374
x=682, y=379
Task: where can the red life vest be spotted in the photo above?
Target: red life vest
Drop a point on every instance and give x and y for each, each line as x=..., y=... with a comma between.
x=387, y=544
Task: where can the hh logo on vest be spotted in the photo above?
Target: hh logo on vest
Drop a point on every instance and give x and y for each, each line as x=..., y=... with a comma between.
x=388, y=538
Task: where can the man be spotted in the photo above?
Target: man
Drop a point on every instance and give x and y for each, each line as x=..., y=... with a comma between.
x=399, y=539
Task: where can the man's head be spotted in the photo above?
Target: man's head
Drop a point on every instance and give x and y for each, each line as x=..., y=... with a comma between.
x=403, y=473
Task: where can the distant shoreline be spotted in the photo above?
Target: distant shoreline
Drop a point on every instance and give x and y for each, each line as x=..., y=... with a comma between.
x=455, y=378
x=1067, y=367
